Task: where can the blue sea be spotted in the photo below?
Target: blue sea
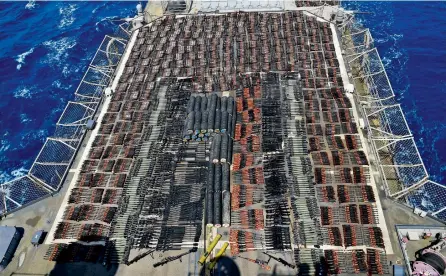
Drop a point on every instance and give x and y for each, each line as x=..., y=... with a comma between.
x=46, y=47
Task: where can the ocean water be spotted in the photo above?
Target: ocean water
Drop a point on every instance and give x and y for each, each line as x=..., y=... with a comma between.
x=46, y=47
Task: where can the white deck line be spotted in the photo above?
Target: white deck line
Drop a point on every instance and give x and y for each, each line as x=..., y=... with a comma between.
x=87, y=148
x=342, y=67
x=382, y=221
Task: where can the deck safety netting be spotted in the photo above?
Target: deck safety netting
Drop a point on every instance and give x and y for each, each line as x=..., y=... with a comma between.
x=441, y=215
x=360, y=39
x=2, y=202
x=396, y=121
x=10, y=205
x=92, y=84
x=427, y=198
x=52, y=163
x=77, y=113
x=109, y=54
x=124, y=31
x=400, y=163
x=54, y=160
x=21, y=191
x=372, y=74
x=69, y=134
x=387, y=120
x=50, y=174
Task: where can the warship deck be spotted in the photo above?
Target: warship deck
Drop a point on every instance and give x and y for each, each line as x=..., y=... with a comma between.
x=288, y=76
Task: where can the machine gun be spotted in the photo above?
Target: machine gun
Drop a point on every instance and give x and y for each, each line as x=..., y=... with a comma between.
x=139, y=257
x=280, y=260
x=173, y=258
x=263, y=264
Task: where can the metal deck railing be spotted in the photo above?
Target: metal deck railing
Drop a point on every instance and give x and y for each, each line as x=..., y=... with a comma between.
x=48, y=172
x=401, y=167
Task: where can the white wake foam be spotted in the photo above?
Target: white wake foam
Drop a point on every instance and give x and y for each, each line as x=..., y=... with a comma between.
x=21, y=58
x=25, y=92
x=58, y=50
x=24, y=118
x=97, y=8
x=5, y=177
x=19, y=172
x=67, y=15
x=58, y=84
x=30, y=5
x=4, y=145
x=68, y=70
x=33, y=136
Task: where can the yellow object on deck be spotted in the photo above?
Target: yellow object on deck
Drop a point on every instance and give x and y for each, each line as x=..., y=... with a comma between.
x=209, y=250
x=219, y=254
